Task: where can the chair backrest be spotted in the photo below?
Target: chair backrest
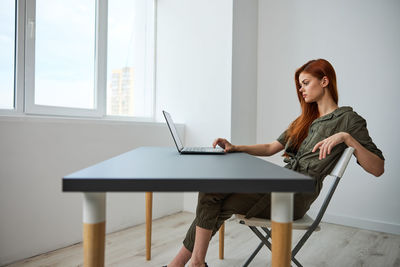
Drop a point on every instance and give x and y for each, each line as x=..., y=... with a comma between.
x=337, y=172
x=341, y=165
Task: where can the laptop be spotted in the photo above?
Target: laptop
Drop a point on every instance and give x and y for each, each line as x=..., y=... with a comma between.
x=188, y=150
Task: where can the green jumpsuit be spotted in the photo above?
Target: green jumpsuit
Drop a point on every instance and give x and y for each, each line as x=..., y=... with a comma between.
x=214, y=208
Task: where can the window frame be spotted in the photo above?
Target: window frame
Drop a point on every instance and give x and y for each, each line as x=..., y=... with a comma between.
x=24, y=67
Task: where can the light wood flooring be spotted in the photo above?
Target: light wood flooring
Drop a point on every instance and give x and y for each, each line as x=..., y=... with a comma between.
x=334, y=245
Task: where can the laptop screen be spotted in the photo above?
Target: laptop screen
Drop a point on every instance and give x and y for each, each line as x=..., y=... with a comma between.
x=173, y=130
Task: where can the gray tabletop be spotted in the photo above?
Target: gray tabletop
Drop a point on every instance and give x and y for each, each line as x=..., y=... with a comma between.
x=164, y=169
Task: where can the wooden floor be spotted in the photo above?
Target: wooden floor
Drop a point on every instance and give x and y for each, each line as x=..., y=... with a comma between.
x=334, y=245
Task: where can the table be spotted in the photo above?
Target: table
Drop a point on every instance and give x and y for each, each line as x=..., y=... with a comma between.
x=163, y=169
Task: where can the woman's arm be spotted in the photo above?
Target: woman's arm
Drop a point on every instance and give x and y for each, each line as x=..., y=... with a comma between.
x=255, y=150
x=261, y=149
x=368, y=160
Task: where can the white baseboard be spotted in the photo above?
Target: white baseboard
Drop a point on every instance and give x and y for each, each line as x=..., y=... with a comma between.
x=359, y=222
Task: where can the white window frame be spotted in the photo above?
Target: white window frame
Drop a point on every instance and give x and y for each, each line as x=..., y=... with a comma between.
x=19, y=91
x=24, y=70
x=100, y=63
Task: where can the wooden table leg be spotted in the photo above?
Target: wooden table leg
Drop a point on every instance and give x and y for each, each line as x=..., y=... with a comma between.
x=94, y=229
x=149, y=212
x=221, y=241
x=282, y=218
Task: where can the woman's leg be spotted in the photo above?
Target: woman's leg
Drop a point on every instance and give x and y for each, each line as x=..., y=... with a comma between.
x=204, y=220
x=212, y=210
x=181, y=258
x=207, y=213
x=208, y=207
x=201, y=242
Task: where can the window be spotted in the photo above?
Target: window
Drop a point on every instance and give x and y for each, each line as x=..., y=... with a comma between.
x=7, y=54
x=67, y=67
x=130, y=43
x=64, y=53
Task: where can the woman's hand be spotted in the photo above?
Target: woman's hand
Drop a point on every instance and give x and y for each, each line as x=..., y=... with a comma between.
x=325, y=146
x=228, y=147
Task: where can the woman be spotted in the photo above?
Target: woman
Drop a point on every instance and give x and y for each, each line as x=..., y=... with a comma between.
x=313, y=144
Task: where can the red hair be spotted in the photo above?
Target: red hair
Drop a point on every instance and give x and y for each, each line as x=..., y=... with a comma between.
x=298, y=129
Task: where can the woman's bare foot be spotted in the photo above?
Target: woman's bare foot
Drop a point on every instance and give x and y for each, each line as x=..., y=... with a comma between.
x=197, y=264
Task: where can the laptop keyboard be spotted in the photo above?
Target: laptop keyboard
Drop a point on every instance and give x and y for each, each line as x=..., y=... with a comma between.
x=202, y=149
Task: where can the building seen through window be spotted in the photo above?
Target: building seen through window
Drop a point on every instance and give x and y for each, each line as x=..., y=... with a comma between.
x=130, y=58
x=121, y=89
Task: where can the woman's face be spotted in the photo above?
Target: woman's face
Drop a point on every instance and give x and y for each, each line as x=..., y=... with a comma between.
x=312, y=88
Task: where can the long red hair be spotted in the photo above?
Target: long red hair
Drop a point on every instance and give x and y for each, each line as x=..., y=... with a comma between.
x=298, y=129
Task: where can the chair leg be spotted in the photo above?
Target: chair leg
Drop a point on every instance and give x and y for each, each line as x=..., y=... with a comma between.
x=303, y=240
x=296, y=262
x=255, y=252
x=264, y=241
x=221, y=241
x=267, y=231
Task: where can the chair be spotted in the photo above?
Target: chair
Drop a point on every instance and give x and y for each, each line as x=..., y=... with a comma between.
x=305, y=223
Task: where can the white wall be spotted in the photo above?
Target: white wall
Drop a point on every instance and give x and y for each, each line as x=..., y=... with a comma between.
x=194, y=59
x=361, y=39
x=35, y=153
x=244, y=71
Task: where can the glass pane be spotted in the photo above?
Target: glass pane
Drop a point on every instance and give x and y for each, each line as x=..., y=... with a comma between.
x=7, y=45
x=65, y=51
x=127, y=93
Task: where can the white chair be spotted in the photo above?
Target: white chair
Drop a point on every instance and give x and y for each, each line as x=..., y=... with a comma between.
x=305, y=223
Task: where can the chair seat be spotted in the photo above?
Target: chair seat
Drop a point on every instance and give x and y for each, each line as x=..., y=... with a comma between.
x=300, y=224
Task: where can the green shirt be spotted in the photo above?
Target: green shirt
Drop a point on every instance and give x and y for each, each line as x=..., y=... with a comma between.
x=343, y=119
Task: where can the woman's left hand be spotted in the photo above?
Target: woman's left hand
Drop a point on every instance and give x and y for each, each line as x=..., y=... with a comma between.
x=325, y=146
